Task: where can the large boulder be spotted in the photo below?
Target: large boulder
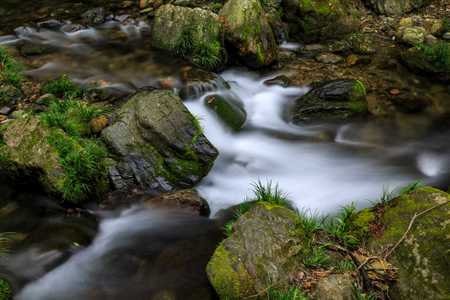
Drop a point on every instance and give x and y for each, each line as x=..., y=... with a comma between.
x=395, y=7
x=331, y=100
x=314, y=20
x=422, y=258
x=261, y=250
x=160, y=145
x=248, y=31
x=193, y=33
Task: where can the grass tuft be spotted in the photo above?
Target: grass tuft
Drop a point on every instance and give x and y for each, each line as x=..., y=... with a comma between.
x=63, y=87
x=288, y=294
x=438, y=55
x=10, y=69
x=270, y=193
x=341, y=226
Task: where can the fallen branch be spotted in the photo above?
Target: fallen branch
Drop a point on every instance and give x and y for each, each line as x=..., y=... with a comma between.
x=411, y=223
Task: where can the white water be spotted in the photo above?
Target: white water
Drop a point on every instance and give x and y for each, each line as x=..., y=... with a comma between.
x=318, y=175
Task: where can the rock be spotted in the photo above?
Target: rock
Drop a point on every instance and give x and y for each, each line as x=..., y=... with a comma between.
x=50, y=24
x=395, y=7
x=362, y=43
x=5, y=110
x=422, y=258
x=193, y=33
x=98, y=124
x=229, y=110
x=331, y=100
x=329, y=58
x=160, y=145
x=197, y=82
x=95, y=16
x=335, y=287
x=187, y=200
x=316, y=20
x=446, y=36
x=430, y=39
x=9, y=94
x=412, y=35
x=243, y=265
x=280, y=80
x=248, y=31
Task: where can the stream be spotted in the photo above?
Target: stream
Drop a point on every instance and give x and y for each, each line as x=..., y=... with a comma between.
x=144, y=253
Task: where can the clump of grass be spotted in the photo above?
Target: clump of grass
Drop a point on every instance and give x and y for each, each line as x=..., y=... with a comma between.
x=410, y=188
x=358, y=294
x=315, y=256
x=10, y=69
x=239, y=211
x=6, y=239
x=72, y=116
x=341, y=226
x=63, y=87
x=83, y=163
x=285, y=294
x=438, y=55
x=346, y=265
x=446, y=24
x=389, y=195
x=5, y=290
x=308, y=222
x=270, y=193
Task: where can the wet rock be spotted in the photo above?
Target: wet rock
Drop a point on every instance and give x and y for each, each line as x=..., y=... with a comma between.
x=186, y=200
x=9, y=94
x=197, y=82
x=317, y=20
x=68, y=28
x=248, y=31
x=362, y=43
x=193, y=33
x=422, y=258
x=329, y=58
x=243, y=265
x=5, y=110
x=229, y=110
x=160, y=145
x=30, y=48
x=50, y=24
x=395, y=7
x=95, y=16
x=446, y=36
x=331, y=100
x=281, y=80
x=335, y=287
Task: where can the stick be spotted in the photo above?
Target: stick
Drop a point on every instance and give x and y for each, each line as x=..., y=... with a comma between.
x=411, y=223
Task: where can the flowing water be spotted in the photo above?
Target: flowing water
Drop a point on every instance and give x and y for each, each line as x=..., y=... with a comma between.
x=140, y=252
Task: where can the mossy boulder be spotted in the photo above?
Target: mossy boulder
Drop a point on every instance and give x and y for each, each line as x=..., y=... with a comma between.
x=228, y=110
x=395, y=7
x=49, y=153
x=331, y=100
x=248, y=32
x=159, y=144
x=422, y=258
x=193, y=33
x=315, y=20
x=260, y=252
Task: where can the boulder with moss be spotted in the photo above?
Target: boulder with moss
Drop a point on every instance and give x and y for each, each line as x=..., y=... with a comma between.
x=422, y=257
x=193, y=33
x=331, y=100
x=395, y=7
x=159, y=145
x=249, y=33
x=315, y=20
x=261, y=250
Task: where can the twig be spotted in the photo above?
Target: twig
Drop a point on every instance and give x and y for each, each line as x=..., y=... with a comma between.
x=411, y=223
x=366, y=261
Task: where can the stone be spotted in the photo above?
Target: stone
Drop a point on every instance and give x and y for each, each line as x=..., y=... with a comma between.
x=95, y=16
x=194, y=33
x=242, y=265
x=281, y=80
x=248, y=31
x=431, y=39
x=187, y=200
x=395, y=7
x=329, y=58
x=422, y=258
x=412, y=35
x=5, y=110
x=160, y=146
x=335, y=287
x=98, y=124
x=446, y=36
x=228, y=109
x=331, y=100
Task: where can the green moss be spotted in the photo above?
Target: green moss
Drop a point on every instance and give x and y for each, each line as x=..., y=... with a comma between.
x=5, y=290
x=446, y=24
x=232, y=279
x=292, y=293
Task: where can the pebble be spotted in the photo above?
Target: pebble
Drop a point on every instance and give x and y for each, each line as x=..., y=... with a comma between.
x=446, y=36
x=5, y=110
x=329, y=58
x=394, y=92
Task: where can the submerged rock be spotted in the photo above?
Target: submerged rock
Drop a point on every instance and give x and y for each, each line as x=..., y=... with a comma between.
x=193, y=33
x=186, y=200
x=422, y=258
x=248, y=31
x=331, y=100
x=160, y=145
x=261, y=250
x=228, y=110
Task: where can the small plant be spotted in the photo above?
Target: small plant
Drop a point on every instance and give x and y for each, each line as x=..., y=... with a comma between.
x=346, y=265
x=341, y=226
x=228, y=228
x=70, y=115
x=270, y=193
x=5, y=290
x=446, y=24
x=410, y=188
x=358, y=294
x=10, y=69
x=438, y=55
x=63, y=87
x=6, y=239
x=315, y=256
x=309, y=223
x=288, y=294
